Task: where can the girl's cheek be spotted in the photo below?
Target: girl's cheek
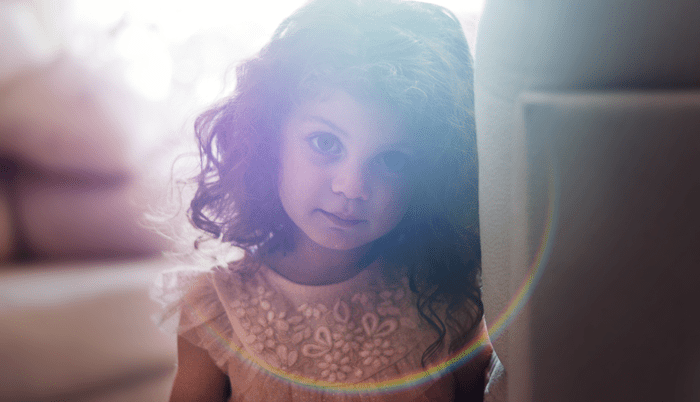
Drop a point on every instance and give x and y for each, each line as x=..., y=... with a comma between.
x=398, y=185
x=397, y=195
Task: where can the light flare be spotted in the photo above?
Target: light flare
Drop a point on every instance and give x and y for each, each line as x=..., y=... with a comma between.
x=464, y=356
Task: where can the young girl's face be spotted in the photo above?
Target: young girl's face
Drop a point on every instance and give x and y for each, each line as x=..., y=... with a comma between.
x=343, y=176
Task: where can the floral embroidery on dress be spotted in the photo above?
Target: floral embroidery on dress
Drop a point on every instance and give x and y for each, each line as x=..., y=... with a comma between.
x=345, y=343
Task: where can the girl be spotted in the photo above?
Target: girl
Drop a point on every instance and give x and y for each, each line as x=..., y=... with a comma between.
x=344, y=165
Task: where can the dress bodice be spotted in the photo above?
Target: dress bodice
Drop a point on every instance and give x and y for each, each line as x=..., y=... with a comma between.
x=280, y=341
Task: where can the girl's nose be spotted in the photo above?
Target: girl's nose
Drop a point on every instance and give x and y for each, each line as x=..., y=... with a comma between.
x=350, y=181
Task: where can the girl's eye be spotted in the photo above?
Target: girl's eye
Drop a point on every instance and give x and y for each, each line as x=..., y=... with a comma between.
x=393, y=161
x=326, y=143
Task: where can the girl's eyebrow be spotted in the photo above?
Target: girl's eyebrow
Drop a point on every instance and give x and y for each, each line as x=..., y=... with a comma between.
x=329, y=124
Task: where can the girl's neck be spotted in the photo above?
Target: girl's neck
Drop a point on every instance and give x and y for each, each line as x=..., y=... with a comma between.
x=311, y=264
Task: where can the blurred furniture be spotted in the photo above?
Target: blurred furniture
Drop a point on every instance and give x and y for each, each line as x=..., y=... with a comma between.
x=600, y=99
x=611, y=317
x=68, y=189
x=76, y=254
x=83, y=332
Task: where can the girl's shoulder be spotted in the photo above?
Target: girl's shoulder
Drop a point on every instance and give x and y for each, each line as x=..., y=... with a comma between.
x=191, y=282
x=195, y=288
x=194, y=305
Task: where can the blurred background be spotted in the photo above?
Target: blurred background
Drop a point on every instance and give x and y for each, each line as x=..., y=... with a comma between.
x=110, y=89
x=97, y=103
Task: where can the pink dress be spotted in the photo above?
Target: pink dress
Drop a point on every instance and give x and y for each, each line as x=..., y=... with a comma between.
x=358, y=340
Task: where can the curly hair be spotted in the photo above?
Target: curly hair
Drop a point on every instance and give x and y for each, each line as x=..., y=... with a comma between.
x=411, y=55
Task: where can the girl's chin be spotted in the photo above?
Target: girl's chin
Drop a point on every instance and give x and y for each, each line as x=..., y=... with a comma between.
x=340, y=245
x=333, y=239
x=338, y=242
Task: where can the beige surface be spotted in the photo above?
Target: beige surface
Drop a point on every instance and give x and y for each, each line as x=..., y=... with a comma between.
x=82, y=333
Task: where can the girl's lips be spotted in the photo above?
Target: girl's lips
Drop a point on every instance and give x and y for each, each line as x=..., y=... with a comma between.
x=345, y=221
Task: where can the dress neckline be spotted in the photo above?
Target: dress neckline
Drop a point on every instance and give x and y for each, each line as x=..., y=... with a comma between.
x=370, y=275
x=342, y=332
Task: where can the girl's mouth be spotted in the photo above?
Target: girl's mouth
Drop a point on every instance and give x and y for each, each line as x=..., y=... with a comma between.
x=345, y=222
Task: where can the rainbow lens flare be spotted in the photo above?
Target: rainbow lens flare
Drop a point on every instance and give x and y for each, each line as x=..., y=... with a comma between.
x=435, y=371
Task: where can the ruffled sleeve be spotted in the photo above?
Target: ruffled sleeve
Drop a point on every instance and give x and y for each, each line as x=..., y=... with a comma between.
x=194, y=310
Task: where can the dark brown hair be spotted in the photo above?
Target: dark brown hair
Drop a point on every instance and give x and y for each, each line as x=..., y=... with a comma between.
x=410, y=55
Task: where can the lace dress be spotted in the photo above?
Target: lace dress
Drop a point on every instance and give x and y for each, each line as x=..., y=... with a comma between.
x=281, y=341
